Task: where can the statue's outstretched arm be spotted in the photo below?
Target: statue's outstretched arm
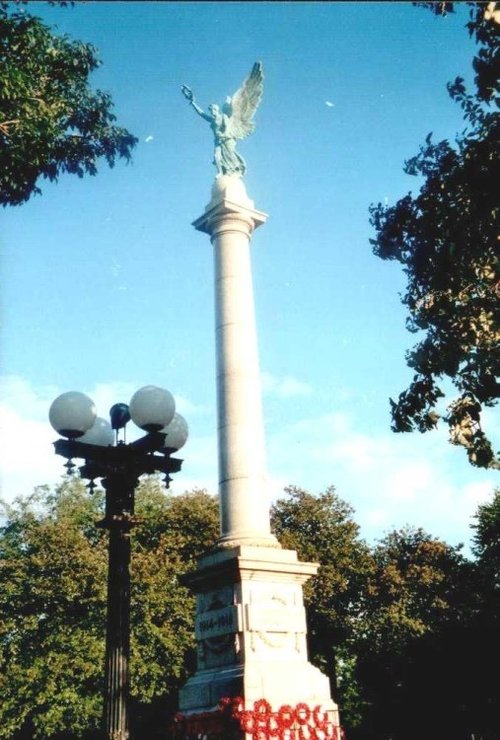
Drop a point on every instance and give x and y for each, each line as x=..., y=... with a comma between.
x=188, y=94
x=200, y=111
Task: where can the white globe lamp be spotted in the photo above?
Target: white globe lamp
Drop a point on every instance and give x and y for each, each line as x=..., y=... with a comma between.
x=72, y=414
x=100, y=433
x=152, y=408
x=176, y=432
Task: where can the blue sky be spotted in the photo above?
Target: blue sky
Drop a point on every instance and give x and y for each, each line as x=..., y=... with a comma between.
x=107, y=287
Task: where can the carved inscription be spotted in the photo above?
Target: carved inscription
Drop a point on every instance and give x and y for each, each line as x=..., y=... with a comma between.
x=217, y=622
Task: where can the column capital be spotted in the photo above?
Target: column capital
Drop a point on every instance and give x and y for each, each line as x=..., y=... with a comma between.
x=229, y=209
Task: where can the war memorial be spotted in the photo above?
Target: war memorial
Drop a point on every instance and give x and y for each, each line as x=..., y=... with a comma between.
x=252, y=663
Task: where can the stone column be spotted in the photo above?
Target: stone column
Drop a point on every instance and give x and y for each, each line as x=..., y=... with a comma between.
x=229, y=219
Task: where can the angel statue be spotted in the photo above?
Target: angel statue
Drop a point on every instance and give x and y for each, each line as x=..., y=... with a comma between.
x=233, y=122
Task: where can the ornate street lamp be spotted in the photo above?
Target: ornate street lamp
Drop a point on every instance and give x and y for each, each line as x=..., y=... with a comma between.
x=119, y=466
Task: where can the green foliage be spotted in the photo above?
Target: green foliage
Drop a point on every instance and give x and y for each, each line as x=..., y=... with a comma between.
x=53, y=562
x=484, y=619
x=446, y=238
x=52, y=600
x=486, y=547
x=487, y=533
x=51, y=121
x=408, y=638
x=407, y=630
x=412, y=587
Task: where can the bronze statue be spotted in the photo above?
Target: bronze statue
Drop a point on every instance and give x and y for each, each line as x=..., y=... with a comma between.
x=233, y=122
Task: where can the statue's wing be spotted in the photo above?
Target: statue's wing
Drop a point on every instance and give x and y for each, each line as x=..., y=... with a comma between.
x=245, y=102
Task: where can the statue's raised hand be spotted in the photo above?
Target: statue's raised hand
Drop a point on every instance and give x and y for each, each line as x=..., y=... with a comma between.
x=187, y=92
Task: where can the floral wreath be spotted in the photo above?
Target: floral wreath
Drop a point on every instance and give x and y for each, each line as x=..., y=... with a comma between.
x=299, y=722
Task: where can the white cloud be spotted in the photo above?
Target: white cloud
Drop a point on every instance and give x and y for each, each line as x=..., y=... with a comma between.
x=15, y=392
x=26, y=438
x=390, y=479
x=187, y=408
x=286, y=387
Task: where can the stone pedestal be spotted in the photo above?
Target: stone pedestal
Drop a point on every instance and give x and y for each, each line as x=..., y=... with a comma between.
x=251, y=632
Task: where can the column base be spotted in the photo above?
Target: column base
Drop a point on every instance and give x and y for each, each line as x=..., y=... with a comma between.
x=251, y=633
x=234, y=540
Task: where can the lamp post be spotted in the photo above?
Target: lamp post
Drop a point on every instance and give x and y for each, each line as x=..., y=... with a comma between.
x=119, y=466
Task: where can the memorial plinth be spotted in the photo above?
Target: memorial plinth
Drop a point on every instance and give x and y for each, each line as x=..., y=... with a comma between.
x=250, y=623
x=251, y=631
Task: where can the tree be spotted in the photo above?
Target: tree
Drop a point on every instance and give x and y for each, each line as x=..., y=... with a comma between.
x=484, y=620
x=322, y=529
x=446, y=239
x=53, y=561
x=486, y=541
x=52, y=604
x=414, y=664
x=51, y=121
